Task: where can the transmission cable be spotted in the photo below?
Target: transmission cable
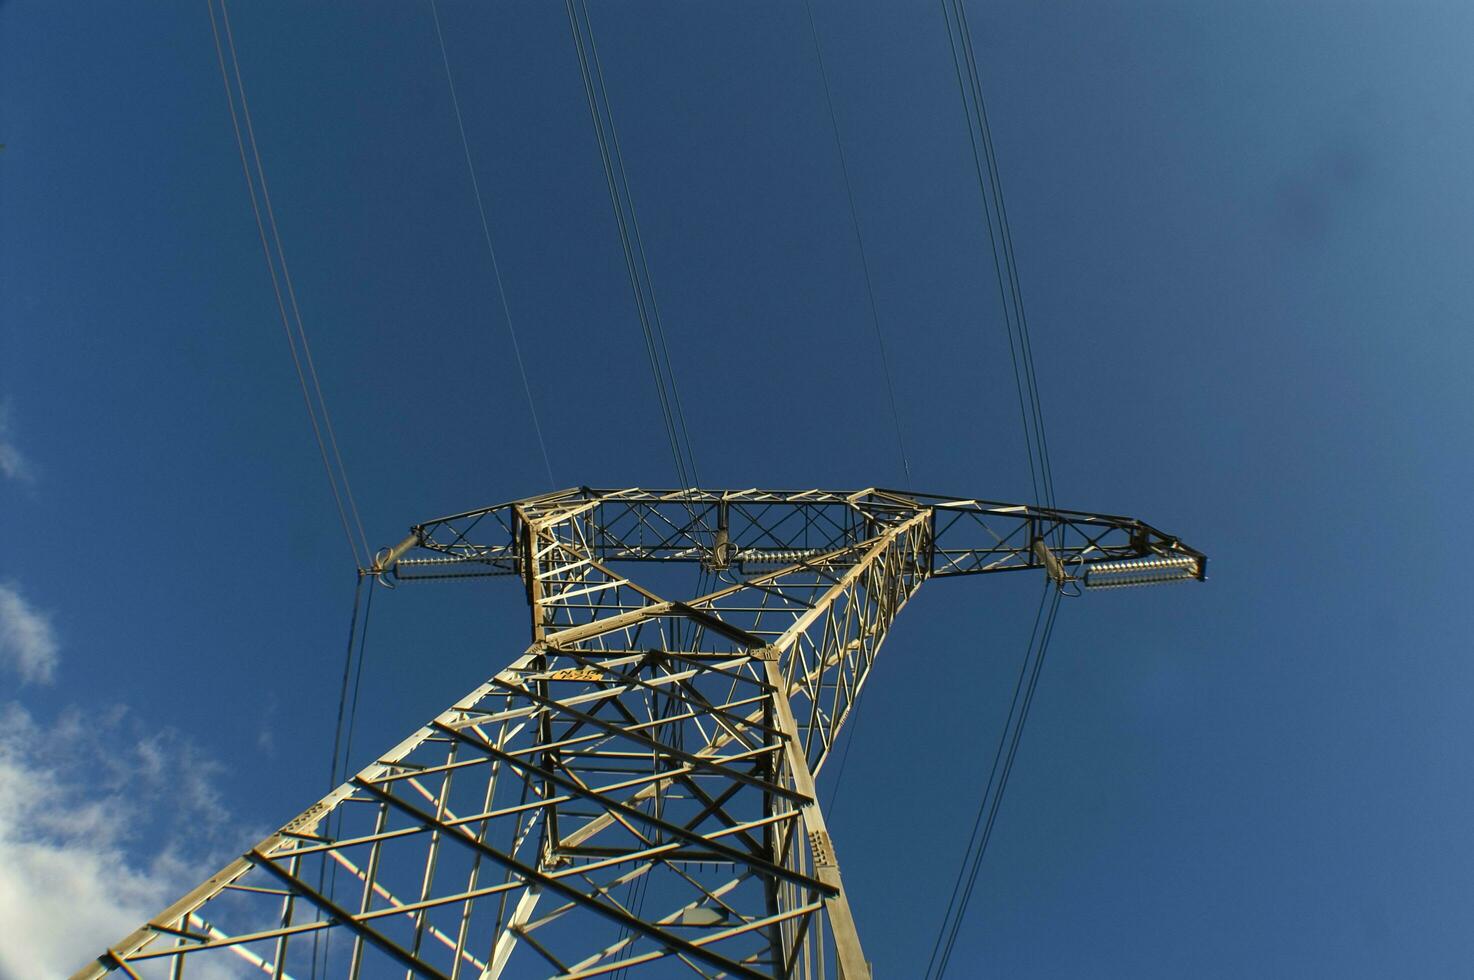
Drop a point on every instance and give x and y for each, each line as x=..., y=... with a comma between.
x=844, y=756
x=647, y=308
x=339, y=741
x=293, y=325
x=1019, y=687
x=343, y=691
x=368, y=610
x=879, y=339
x=490, y=248
x=659, y=324
x=632, y=243
x=1005, y=266
x=1001, y=208
x=859, y=241
x=1015, y=317
x=992, y=798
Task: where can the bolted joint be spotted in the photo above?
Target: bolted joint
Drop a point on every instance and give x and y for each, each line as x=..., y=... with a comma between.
x=821, y=849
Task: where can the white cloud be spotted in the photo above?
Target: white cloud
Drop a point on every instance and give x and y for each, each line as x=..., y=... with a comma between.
x=27, y=643
x=266, y=735
x=13, y=464
x=103, y=822
x=80, y=801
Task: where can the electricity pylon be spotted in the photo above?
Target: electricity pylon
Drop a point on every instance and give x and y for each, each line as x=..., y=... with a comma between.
x=636, y=791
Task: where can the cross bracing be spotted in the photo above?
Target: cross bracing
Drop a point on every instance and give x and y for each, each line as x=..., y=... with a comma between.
x=635, y=792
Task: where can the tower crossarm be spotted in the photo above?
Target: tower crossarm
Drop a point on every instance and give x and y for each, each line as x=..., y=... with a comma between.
x=973, y=537
x=756, y=529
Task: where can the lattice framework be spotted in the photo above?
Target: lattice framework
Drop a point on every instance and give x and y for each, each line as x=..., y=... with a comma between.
x=636, y=790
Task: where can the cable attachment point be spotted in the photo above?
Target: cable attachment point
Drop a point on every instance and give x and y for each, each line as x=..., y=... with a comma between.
x=723, y=551
x=386, y=558
x=1052, y=565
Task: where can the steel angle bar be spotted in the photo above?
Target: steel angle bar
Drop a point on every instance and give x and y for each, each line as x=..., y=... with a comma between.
x=710, y=764
x=529, y=873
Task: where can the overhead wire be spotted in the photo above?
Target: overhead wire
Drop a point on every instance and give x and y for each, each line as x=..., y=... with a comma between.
x=659, y=323
x=347, y=721
x=1015, y=319
x=1000, y=238
x=844, y=757
x=859, y=239
x=496, y=269
x=343, y=691
x=368, y=611
x=658, y=350
x=639, y=888
x=991, y=802
x=647, y=308
x=879, y=338
x=310, y=382
x=292, y=325
x=632, y=244
x=1011, y=261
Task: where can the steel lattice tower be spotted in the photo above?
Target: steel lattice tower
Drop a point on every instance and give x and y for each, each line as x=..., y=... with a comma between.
x=636, y=790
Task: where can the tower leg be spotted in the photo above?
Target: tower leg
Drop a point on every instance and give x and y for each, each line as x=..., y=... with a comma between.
x=851, y=958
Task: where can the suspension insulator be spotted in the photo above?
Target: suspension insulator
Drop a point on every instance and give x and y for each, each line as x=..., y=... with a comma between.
x=777, y=559
x=1141, y=571
x=435, y=568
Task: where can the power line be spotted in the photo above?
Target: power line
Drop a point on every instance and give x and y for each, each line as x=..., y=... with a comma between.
x=292, y=325
x=1018, y=689
x=996, y=179
x=1020, y=349
x=879, y=337
x=343, y=692
x=338, y=731
x=632, y=242
x=296, y=332
x=490, y=248
x=333, y=768
x=368, y=611
x=991, y=800
x=859, y=241
x=1000, y=238
x=1002, y=782
x=658, y=322
x=844, y=757
x=647, y=308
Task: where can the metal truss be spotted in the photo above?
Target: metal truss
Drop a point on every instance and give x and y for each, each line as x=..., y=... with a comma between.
x=635, y=792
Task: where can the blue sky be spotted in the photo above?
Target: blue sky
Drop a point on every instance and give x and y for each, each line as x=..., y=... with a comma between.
x=1243, y=234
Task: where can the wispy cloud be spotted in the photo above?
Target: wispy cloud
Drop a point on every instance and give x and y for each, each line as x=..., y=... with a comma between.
x=13, y=464
x=27, y=642
x=103, y=821
x=79, y=800
x=266, y=734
